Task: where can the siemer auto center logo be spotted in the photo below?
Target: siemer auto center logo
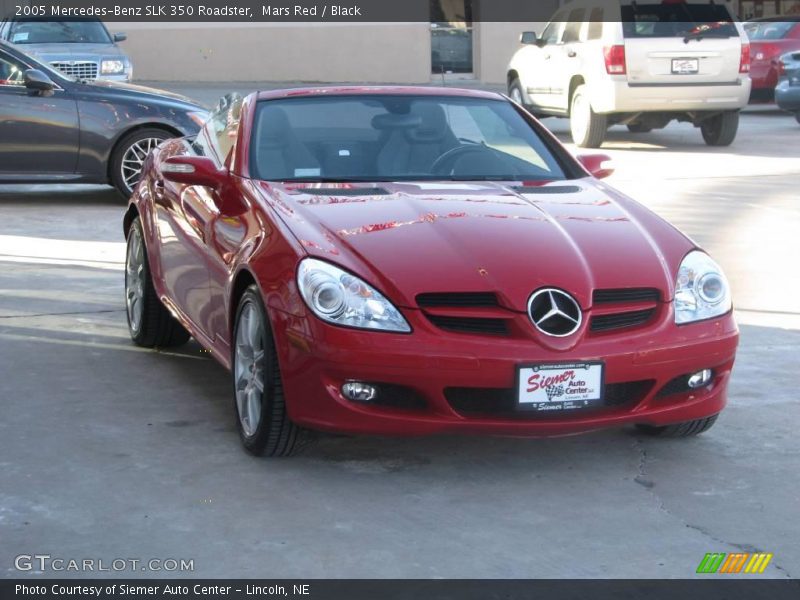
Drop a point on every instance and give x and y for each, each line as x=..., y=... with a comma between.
x=735, y=562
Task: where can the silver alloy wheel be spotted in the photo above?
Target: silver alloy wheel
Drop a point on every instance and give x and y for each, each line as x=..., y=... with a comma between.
x=134, y=280
x=133, y=160
x=248, y=368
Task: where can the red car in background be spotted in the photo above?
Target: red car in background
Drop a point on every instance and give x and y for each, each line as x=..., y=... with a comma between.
x=770, y=38
x=405, y=261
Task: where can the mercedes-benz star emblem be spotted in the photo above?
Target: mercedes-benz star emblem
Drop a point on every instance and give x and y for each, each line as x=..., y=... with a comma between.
x=554, y=312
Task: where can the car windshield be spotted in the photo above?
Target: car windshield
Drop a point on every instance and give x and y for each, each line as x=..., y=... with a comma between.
x=395, y=138
x=58, y=32
x=767, y=30
x=677, y=19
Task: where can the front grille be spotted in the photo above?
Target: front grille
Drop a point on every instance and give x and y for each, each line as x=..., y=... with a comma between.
x=620, y=320
x=79, y=69
x=466, y=312
x=460, y=299
x=496, y=402
x=679, y=385
x=470, y=324
x=620, y=296
x=398, y=396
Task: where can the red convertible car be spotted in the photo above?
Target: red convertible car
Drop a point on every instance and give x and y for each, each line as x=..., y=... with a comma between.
x=396, y=260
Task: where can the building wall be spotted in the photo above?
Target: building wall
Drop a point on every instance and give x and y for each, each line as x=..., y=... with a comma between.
x=374, y=52
x=494, y=44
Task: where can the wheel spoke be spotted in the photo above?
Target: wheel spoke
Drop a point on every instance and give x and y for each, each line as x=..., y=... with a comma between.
x=258, y=381
x=253, y=408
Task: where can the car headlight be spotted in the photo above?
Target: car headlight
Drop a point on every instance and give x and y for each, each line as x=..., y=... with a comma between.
x=338, y=297
x=701, y=290
x=112, y=67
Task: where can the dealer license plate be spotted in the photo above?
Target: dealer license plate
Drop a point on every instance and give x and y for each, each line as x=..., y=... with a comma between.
x=555, y=387
x=685, y=66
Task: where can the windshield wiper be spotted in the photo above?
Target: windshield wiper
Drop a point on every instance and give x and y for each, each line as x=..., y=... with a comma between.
x=694, y=35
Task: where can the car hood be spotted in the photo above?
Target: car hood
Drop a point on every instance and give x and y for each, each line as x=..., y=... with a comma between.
x=133, y=90
x=78, y=52
x=409, y=239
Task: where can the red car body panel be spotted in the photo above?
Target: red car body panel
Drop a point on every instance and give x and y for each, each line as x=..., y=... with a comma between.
x=424, y=238
x=764, y=56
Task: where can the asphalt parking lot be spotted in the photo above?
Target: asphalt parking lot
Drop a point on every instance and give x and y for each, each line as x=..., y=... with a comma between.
x=110, y=451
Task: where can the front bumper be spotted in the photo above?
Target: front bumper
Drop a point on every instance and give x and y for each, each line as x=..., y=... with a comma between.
x=618, y=95
x=787, y=96
x=439, y=368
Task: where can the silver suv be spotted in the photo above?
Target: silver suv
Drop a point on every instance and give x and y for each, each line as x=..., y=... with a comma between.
x=640, y=64
x=80, y=48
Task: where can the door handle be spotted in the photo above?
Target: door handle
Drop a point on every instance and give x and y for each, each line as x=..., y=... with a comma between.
x=572, y=54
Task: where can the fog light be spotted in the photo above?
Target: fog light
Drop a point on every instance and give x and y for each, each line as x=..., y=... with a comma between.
x=699, y=379
x=358, y=391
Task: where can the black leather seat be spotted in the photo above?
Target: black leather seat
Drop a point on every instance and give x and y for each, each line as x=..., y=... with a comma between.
x=414, y=150
x=280, y=154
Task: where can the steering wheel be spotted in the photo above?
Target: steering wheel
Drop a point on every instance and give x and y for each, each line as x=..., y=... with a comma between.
x=448, y=158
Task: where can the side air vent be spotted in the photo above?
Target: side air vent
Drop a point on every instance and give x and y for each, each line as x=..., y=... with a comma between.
x=335, y=191
x=535, y=189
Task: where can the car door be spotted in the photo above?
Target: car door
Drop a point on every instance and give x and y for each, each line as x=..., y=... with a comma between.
x=183, y=213
x=197, y=240
x=39, y=134
x=540, y=63
x=564, y=60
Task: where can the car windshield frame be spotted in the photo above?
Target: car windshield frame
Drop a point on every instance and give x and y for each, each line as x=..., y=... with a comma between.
x=558, y=161
x=97, y=26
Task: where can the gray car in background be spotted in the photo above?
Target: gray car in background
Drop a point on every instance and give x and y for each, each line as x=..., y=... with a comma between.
x=80, y=48
x=787, y=93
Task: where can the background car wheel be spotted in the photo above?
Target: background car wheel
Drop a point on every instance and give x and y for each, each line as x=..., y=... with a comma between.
x=721, y=130
x=128, y=157
x=515, y=92
x=639, y=128
x=797, y=116
x=149, y=322
x=587, y=127
x=687, y=429
x=264, y=425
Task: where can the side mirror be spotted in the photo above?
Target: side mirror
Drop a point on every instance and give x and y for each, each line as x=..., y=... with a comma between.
x=596, y=164
x=193, y=170
x=529, y=38
x=35, y=80
x=120, y=37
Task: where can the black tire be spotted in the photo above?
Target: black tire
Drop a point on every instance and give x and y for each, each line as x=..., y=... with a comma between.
x=515, y=92
x=639, y=128
x=721, y=130
x=120, y=150
x=156, y=327
x=275, y=435
x=588, y=129
x=680, y=430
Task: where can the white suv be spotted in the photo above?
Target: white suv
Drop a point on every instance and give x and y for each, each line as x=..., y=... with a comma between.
x=640, y=64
